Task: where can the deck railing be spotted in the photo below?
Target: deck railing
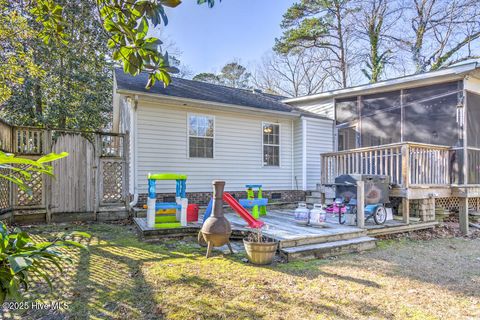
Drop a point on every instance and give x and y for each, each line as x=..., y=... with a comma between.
x=406, y=163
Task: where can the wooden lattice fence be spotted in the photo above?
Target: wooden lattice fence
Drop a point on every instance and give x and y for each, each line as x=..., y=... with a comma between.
x=6, y=134
x=5, y=203
x=93, y=177
x=453, y=203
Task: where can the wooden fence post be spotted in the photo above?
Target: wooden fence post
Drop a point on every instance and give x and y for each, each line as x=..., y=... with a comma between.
x=463, y=215
x=97, y=174
x=47, y=186
x=406, y=210
x=360, y=204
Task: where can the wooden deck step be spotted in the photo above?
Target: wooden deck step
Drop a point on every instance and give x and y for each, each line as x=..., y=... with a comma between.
x=328, y=249
x=384, y=230
x=317, y=239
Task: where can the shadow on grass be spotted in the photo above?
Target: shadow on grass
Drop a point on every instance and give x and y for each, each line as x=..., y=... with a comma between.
x=449, y=263
x=123, y=278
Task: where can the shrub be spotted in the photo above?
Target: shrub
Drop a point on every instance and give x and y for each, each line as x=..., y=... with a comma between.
x=21, y=258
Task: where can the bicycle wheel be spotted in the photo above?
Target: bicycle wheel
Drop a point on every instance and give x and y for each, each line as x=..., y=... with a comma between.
x=380, y=215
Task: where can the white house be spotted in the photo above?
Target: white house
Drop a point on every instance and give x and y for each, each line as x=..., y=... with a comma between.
x=210, y=132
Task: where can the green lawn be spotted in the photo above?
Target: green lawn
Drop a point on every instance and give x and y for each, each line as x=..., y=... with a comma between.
x=123, y=278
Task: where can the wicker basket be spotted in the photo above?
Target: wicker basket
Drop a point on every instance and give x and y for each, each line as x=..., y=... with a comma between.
x=260, y=252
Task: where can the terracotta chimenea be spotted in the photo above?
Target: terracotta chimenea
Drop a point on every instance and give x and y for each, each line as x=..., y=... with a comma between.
x=216, y=230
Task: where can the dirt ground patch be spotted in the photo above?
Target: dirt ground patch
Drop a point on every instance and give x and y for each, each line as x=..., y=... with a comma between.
x=123, y=278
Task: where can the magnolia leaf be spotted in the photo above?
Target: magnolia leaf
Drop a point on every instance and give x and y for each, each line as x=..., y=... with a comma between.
x=151, y=81
x=163, y=76
x=19, y=263
x=74, y=244
x=22, y=239
x=142, y=28
x=22, y=185
x=81, y=234
x=23, y=276
x=26, y=175
x=170, y=3
x=111, y=43
x=210, y=3
x=152, y=44
x=110, y=25
x=52, y=157
x=38, y=272
x=163, y=15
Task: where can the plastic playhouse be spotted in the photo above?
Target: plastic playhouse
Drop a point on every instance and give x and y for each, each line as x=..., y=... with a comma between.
x=258, y=205
x=167, y=214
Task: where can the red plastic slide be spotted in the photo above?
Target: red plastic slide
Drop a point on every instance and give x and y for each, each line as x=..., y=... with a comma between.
x=242, y=212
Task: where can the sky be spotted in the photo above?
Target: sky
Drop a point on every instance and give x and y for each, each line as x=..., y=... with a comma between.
x=208, y=38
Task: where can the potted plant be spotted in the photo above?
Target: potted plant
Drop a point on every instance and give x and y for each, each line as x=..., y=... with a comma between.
x=260, y=249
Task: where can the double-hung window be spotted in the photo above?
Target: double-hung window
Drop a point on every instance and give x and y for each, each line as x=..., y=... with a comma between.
x=271, y=144
x=200, y=136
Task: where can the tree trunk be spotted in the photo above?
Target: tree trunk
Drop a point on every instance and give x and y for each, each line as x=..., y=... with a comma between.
x=37, y=92
x=341, y=45
x=62, y=122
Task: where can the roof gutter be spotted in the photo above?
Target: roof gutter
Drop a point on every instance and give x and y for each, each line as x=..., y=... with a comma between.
x=293, y=113
x=452, y=72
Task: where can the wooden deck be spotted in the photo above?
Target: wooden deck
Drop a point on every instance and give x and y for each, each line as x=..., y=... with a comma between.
x=281, y=226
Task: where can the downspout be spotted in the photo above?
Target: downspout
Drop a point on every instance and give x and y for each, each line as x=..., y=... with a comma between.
x=293, y=156
x=133, y=148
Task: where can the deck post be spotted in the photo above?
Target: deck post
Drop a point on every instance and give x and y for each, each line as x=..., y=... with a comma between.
x=463, y=215
x=406, y=210
x=405, y=166
x=360, y=204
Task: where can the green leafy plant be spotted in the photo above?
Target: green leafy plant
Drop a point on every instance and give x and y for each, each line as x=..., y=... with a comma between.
x=19, y=170
x=127, y=24
x=21, y=259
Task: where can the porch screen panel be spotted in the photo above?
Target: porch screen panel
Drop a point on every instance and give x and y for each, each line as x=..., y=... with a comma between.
x=420, y=93
x=346, y=110
x=381, y=119
x=473, y=166
x=377, y=102
x=456, y=165
x=347, y=138
x=430, y=114
x=473, y=120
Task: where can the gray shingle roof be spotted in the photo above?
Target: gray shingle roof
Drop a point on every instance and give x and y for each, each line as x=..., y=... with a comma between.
x=191, y=89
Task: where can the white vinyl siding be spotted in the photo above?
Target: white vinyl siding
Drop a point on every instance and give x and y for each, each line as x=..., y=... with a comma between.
x=319, y=140
x=297, y=154
x=162, y=147
x=322, y=107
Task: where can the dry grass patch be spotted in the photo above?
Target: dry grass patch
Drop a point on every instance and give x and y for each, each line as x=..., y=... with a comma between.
x=123, y=278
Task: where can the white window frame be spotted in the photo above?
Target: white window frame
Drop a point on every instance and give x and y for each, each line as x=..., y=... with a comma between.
x=188, y=134
x=279, y=145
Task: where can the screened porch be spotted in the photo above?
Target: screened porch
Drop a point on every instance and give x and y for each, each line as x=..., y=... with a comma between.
x=421, y=136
